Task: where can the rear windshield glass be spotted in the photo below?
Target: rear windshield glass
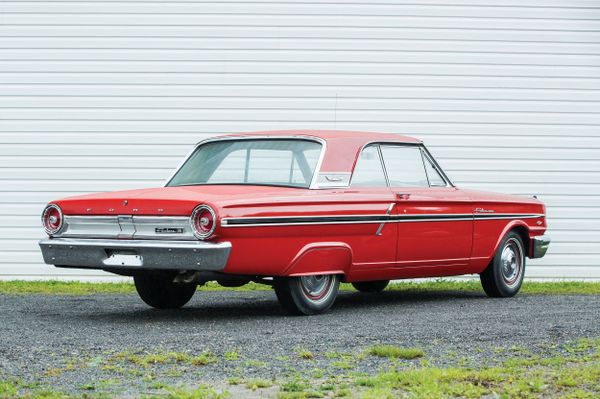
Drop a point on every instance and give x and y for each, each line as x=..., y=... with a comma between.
x=277, y=162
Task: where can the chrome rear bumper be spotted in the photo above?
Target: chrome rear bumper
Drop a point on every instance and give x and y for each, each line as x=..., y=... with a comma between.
x=135, y=254
x=539, y=246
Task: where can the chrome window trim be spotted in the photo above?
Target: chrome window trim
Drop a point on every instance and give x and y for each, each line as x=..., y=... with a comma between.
x=385, y=176
x=425, y=168
x=313, y=182
x=437, y=167
x=420, y=148
x=385, y=173
x=424, y=152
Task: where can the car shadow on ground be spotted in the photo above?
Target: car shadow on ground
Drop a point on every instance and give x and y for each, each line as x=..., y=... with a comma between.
x=261, y=305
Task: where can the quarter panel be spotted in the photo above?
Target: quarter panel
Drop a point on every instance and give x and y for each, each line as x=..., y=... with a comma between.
x=271, y=249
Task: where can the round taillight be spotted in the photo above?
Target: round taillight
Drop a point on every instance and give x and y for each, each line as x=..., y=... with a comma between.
x=52, y=219
x=203, y=221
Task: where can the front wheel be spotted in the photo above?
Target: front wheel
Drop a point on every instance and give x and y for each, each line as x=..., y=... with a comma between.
x=307, y=295
x=504, y=275
x=161, y=292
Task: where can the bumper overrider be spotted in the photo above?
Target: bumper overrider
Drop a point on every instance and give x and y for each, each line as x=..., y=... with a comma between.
x=135, y=254
x=539, y=246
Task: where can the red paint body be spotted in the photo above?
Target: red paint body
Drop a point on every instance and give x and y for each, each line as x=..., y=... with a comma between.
x=402, y=250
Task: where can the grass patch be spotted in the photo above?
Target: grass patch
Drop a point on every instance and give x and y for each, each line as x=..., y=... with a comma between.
x=64, y=287
x=571, y=370
x=203, y=359
x=8, y=389
x=54, y=287
x=568, y=370
x=304, y=354
x=577, y=380
x=529, y=287
x=16, y=287
x=232, y=355
x=145, y=360
x=258, y=383
x=395, y=352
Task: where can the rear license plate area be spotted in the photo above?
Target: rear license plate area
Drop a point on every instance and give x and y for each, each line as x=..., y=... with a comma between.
x=123, y=258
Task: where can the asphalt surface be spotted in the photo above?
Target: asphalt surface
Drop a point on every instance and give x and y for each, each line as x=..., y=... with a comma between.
x=41, y=333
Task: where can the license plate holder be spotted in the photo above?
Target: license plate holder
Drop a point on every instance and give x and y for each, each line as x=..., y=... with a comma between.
x=124, y=259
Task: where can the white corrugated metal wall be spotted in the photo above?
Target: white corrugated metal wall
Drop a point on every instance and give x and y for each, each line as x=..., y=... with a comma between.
x=104, y=95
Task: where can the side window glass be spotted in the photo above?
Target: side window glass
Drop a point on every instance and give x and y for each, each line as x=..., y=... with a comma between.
x=435, y=178
x=369, y=170
x=404, y=166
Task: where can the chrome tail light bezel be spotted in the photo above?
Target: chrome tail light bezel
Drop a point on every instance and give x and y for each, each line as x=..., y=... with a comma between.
x=197, y=211
x=52, y=231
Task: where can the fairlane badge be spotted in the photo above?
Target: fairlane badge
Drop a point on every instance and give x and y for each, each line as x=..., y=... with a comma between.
x=168, y=230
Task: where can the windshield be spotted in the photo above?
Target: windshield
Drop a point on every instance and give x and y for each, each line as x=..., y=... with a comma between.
x=278, y=162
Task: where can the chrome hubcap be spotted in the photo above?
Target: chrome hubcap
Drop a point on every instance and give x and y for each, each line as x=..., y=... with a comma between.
x=511, y=262
x=316, y=287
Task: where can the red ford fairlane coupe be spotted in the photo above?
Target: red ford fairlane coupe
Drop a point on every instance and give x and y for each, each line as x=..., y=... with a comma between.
x=302, y=211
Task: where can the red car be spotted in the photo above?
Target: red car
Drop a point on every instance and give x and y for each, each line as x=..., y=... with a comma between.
x=301, y=211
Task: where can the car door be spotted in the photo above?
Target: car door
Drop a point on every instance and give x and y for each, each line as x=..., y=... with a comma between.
x=435, y=222
x=374, y=243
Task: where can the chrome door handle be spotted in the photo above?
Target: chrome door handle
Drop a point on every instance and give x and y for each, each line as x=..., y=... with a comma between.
x=402, y=196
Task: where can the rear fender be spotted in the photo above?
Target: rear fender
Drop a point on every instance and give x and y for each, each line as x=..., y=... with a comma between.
x=321, y=258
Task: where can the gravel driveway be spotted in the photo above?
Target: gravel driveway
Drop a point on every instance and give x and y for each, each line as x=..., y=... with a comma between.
x=42, y=334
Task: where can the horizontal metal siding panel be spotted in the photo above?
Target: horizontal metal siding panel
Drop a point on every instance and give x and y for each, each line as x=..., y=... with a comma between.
x=102, y=85
x=585, y=4
x=110, y=95
x=526, y=34
x=15, y=57
x=161, y=104
x=316, y=21
x=298, y=43
x=267, y=8
x=296, y=116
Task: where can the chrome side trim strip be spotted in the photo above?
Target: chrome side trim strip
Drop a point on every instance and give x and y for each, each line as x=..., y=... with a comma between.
x=364, y=219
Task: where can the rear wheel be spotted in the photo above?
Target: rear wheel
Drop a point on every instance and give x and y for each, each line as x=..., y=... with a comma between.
x=504, y=275
x=307, y=295
x=371, y=286
x=159, y=291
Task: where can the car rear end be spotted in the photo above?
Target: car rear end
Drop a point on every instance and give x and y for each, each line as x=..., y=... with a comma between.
x=128, y=243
